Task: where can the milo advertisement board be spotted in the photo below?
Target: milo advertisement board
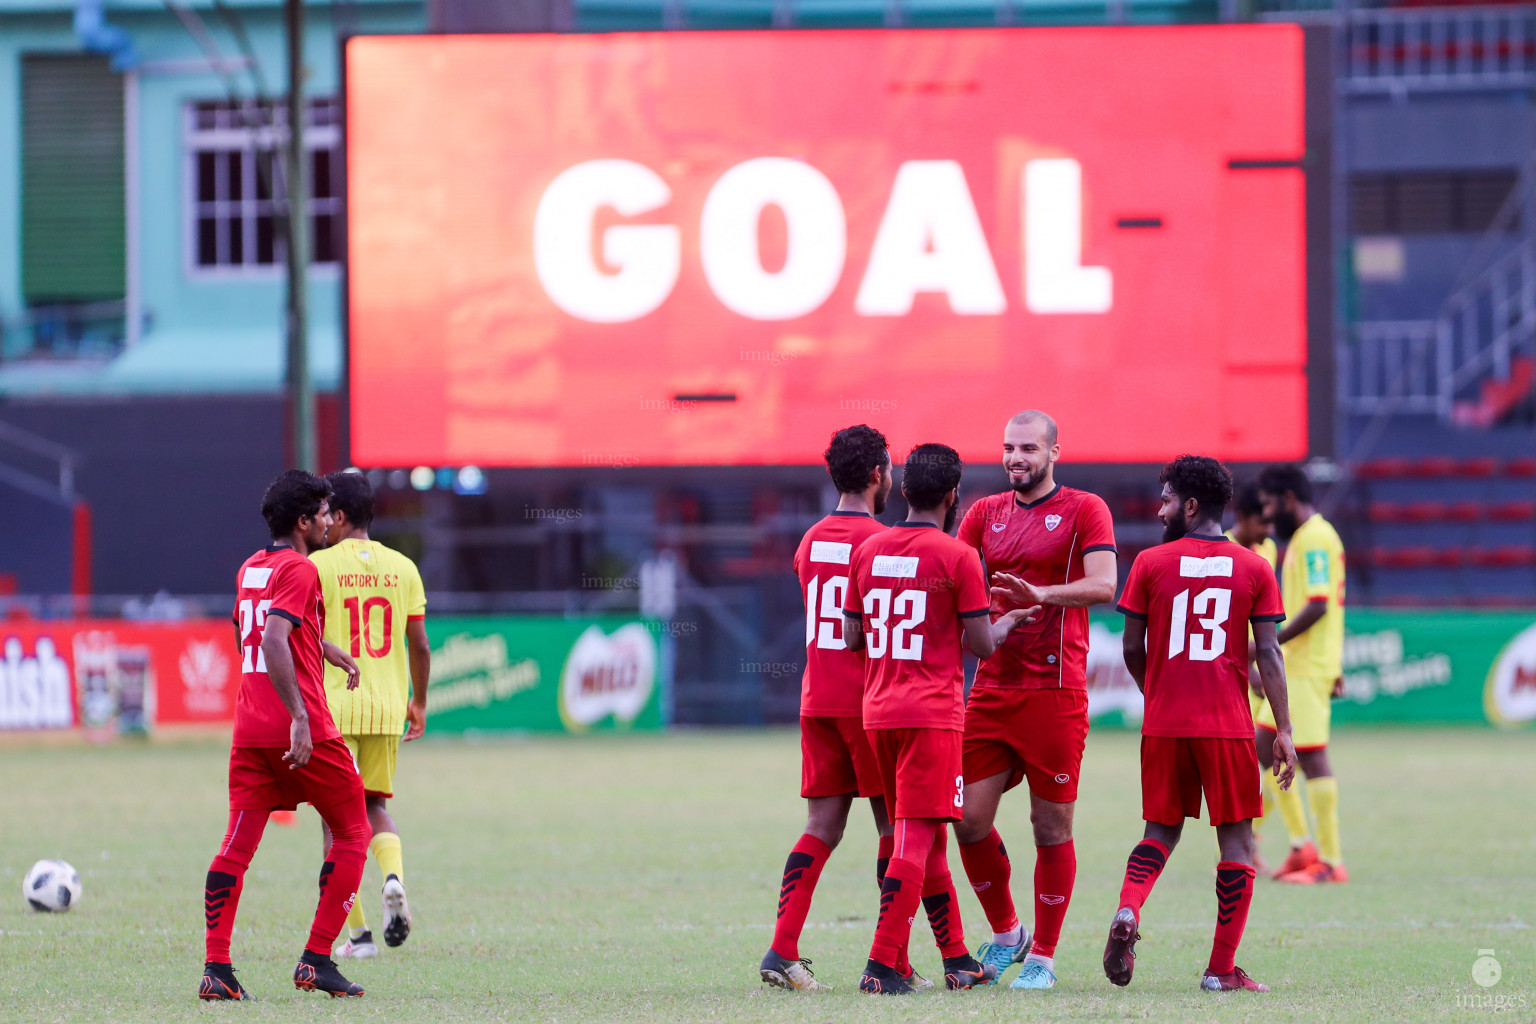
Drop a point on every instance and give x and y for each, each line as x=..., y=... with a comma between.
x=543, y=674
x=1404, y=667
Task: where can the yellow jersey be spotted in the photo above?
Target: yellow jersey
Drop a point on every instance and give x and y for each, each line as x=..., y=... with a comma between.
x=370, y=591
x=1266, y=550
x=1313, y=570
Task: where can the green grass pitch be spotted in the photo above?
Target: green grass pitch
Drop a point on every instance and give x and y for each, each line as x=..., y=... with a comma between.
x=634, y=878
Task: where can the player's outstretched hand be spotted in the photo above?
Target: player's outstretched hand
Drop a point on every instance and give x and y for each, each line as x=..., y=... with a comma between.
x=416, y=721
x=1019, y=616
x=1285, y=760
x=342, y=660
x=1015, y=591
x=299, y=746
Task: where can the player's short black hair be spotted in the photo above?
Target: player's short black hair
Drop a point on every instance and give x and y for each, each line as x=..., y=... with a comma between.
x=852, y=453
x=292, y=496
x=931, y=471
x=1202, y=478
x=353, y=494
x=1248, y=502
x=1286, y=476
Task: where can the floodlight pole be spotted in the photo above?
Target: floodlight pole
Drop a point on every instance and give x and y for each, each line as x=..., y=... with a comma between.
x=301, y=390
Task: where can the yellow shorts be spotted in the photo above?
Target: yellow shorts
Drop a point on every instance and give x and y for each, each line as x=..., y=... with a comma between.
x=1311, y=704
x=375, y=757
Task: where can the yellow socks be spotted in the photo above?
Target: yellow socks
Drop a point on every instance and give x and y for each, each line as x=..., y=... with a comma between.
x=355, y=920
x=1292, y=811
x=386, y=850
x=1324, y=794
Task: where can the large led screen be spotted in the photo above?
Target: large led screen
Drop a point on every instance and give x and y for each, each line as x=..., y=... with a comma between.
x=714, y=248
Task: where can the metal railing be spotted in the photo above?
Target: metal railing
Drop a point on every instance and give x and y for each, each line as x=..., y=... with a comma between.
x=38, y=449
x=69, y=330
x=1434, y=366
x=1395, y=50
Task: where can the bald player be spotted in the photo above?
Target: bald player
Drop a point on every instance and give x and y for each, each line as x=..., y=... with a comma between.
x=1027, y=716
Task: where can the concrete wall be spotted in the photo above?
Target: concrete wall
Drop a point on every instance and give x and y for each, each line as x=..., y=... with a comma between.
x=207, y=333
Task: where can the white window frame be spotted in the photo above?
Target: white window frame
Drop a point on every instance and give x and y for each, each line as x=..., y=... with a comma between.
x=229, y=133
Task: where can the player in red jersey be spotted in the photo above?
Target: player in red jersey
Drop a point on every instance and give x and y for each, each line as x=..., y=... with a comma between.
x=914, y=593
x=1187, y=605
x=1027, y=717
x=836, y=763
x=286, y=747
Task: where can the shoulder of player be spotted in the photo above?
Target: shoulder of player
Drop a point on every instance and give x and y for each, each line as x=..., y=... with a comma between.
x=987, y=503
x=1081, y=500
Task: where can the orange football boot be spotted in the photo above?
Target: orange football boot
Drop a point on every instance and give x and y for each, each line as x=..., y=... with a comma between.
x=1316, y=874
x=1301, y=858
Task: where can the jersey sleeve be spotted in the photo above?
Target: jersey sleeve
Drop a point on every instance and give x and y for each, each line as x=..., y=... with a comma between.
x=415, y=593
x=1317, y=571
x=292, y=589
x=1267, y=604
x=853, y=599
x=1098, y=525
x=971, y=525
x=971, y=597
x=1133, y=599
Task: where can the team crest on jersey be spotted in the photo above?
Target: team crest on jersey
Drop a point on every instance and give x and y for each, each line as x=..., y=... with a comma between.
x=999, y=527
x=1051, y=522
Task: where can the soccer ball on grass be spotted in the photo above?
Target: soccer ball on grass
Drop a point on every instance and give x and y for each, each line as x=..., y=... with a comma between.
x=51, y=885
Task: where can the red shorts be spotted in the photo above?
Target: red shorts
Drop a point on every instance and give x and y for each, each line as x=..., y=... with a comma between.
x=260, y=780
x=1174, y=770
x=835, y=758
x=1037, y=734
x=920, y=772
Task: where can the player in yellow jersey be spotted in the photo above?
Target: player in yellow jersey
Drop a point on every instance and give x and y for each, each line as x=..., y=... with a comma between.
x=1252, y=531
x=375, y=607
x=1312, y=585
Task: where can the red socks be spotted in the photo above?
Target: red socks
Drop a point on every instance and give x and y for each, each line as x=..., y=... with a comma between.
x=1055, y=874
x=1141, y=872
x=1234, y=894
x=226, y=877
x=899, y=898
x=883, y=857
x=801, y=871
x=942, y=902
x=902, y=890
x=989, y=870
x=341, y=872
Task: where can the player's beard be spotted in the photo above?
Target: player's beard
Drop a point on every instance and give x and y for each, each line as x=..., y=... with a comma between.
x=879, y=504
x=1030, y=481
x=1285, y=524
x=950, y=517
x=1176, y=525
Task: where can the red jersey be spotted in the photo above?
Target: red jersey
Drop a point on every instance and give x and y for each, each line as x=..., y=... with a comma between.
x=1198, y=595
x=833, y=684
x=279, y=581
x=912, y=585
x=1042, y=543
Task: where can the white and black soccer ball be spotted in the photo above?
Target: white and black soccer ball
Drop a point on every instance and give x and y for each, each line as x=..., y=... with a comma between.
x=51, y=886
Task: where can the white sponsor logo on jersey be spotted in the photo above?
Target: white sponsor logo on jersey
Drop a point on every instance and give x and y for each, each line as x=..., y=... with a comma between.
x=1216, y=565
x=255, y=579
x=903, y=566
x=830, y=551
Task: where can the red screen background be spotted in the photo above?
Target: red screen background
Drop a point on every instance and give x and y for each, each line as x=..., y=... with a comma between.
x=458, y=356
